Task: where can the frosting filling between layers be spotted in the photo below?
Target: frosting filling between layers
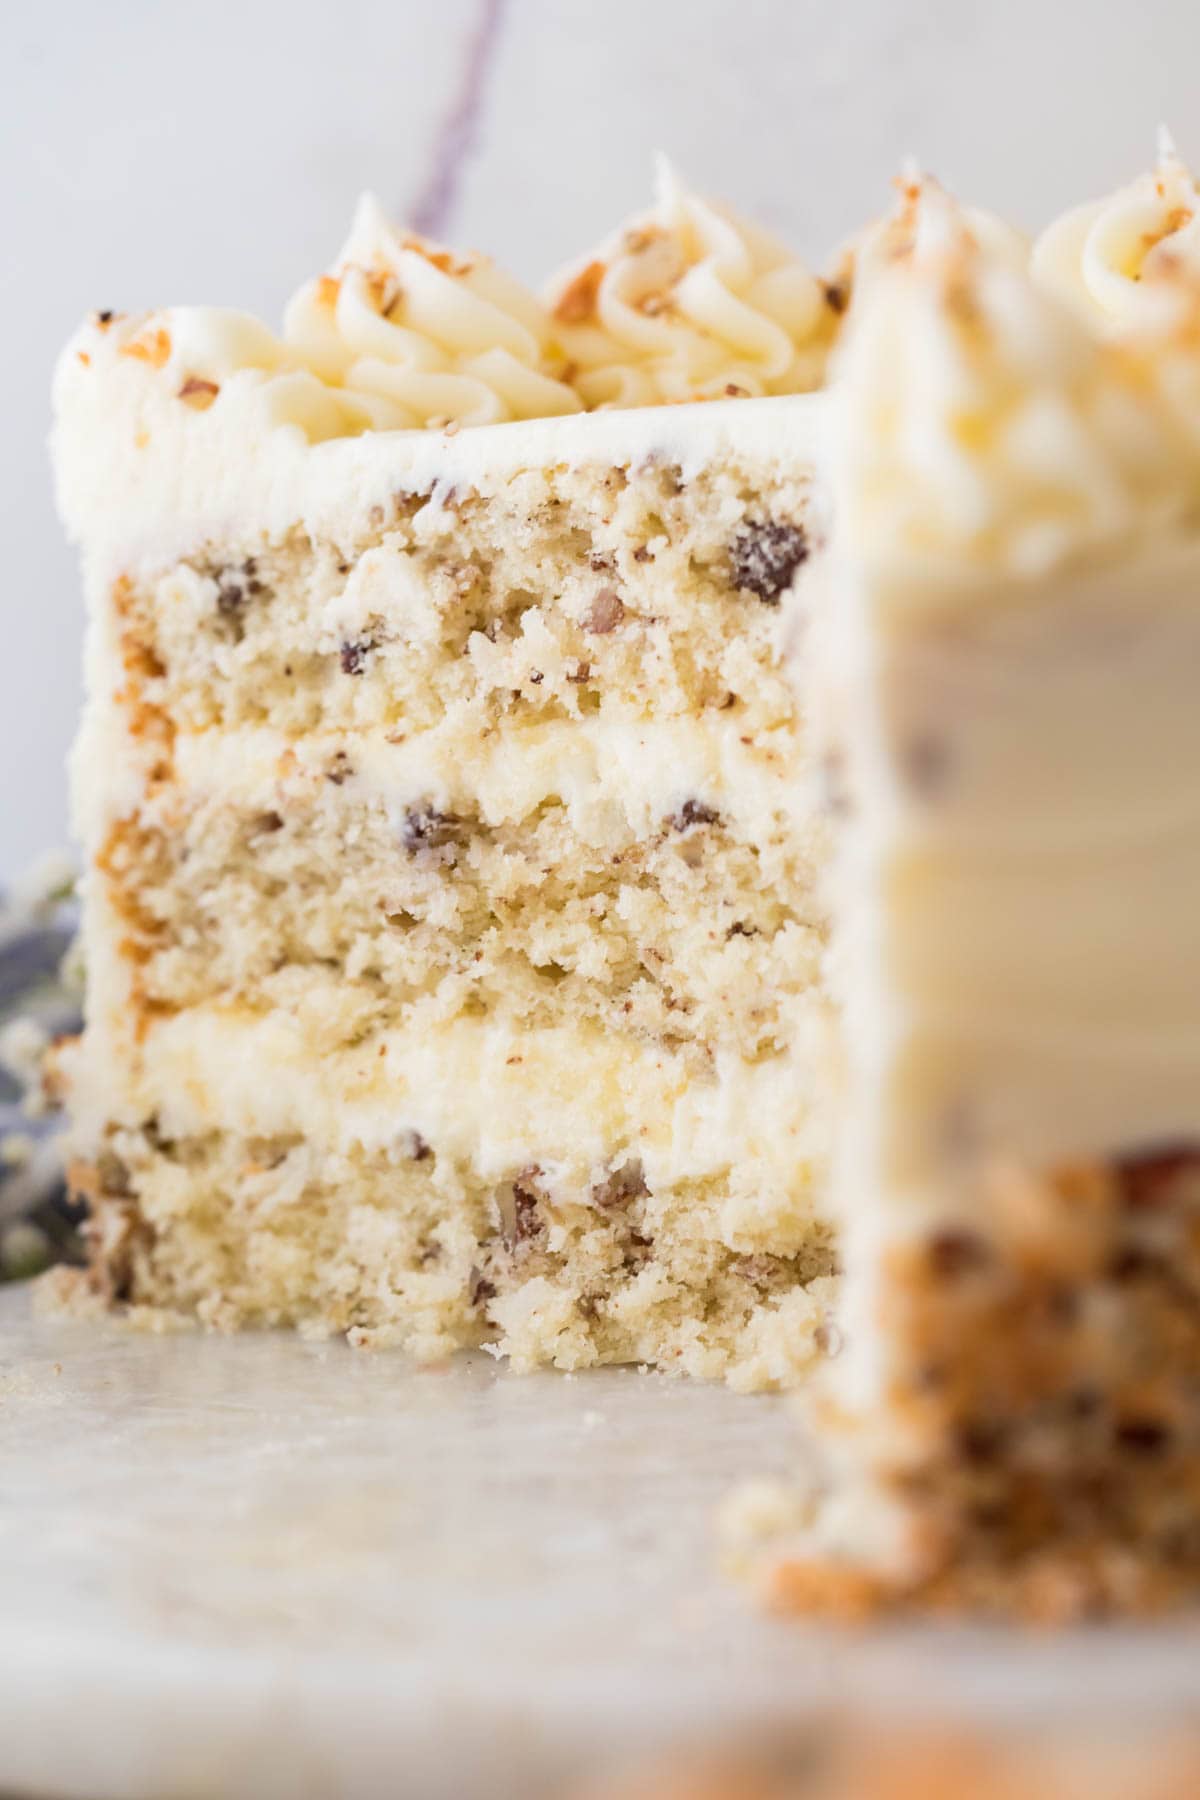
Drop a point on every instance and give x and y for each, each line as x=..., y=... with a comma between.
x=647, y=769
x=496, y=1093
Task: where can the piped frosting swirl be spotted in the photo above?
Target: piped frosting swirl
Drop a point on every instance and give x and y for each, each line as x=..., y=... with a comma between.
x=984, y=425
x=685, y=304
x=401, y=333
x=918, y=216
x=437, y=336
x=688, y=303
x=1101, y=258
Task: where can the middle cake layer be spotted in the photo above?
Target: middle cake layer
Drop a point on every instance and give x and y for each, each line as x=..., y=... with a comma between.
x=661, y=887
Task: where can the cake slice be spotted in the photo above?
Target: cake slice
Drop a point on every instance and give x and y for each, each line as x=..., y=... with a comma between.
x=452, y=910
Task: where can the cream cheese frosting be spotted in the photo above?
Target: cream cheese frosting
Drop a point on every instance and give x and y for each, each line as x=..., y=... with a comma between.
x=687, y=302
x=1101, y=258
x=988, y=423
x=497, y=1090
x=401, y=333
x=438, y=337
x=918, y=218
x=1006, y=680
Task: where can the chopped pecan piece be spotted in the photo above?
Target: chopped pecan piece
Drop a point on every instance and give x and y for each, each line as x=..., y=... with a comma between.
x=236, y=586
x=764, y=556
x=425, y=828
x=604, y=614
x=479, y=1288
x=518, y=1203
x=621, y=1185
x=1160, y=1177
x=354, y=653
x=691, y=814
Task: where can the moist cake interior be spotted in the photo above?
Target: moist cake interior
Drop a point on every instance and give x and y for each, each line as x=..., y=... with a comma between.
x=469, y=926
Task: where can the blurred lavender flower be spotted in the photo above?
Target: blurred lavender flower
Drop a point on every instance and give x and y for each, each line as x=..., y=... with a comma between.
x=39, y=1000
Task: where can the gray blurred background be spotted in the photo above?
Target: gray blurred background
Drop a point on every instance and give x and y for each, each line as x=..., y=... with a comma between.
x=153, y=153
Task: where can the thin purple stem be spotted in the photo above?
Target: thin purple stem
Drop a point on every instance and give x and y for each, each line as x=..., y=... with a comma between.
x=432, y=212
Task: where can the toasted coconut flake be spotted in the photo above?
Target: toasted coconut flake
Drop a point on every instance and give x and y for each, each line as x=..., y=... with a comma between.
x=384, y=289
x=445, y=260
x=198, y=393
x=577, y=302
x=151, y=346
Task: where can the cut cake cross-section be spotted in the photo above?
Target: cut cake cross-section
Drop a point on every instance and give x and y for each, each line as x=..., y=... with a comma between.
x=452, y=913
x=571, y=883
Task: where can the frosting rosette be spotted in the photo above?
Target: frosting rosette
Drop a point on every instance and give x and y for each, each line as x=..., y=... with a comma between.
x=922, y=212
x=400, y=334
x=1103, y=258
x=988, y=426
x=439, y=337
x=688, y=303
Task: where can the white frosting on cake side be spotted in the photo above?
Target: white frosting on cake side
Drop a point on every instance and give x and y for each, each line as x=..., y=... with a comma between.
x=143, y=476
x=1009, y=679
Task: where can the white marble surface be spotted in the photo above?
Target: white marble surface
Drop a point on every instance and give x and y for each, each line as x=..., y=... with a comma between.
x=258, y=1567
x=151, y=152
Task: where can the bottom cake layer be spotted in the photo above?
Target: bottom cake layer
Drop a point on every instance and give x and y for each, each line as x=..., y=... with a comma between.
x=414, y=1248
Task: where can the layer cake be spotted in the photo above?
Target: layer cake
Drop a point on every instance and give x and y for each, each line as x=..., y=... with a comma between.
x=658, y=826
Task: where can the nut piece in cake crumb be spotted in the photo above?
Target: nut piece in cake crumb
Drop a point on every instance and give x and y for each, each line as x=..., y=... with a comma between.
x=764, y=556
x=691, y=814
x=236, y=585
x=605, y=612
x=518, y=1206
x=354, y=653
x=427, y=829
x=621, y=1186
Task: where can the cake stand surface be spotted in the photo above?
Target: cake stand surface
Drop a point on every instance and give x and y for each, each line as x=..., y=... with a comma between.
x=257, y=1566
